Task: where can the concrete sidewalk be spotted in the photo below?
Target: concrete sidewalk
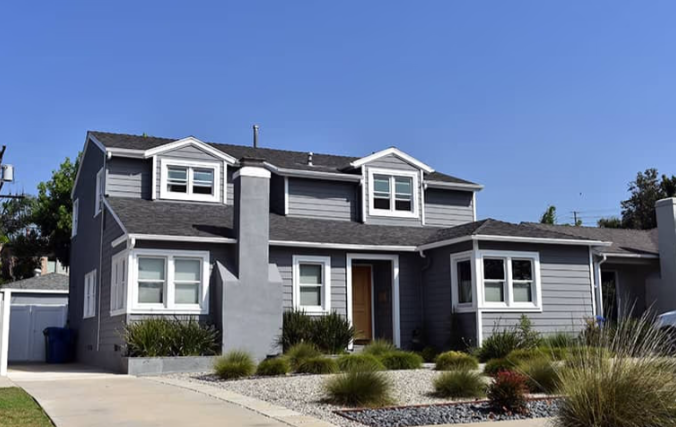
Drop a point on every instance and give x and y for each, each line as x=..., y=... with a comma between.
x=77, y=400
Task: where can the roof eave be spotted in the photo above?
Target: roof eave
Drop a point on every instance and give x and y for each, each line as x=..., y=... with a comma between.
x=453, y=185
x=513, y=239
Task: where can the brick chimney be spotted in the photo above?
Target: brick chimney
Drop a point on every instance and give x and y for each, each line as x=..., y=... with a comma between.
x=252, y=296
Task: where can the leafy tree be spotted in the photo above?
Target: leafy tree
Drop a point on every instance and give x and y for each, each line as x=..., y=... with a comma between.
x=549, y=216
x=22, y=245
x=610, y=222
x=639, y=210
x=54, y=207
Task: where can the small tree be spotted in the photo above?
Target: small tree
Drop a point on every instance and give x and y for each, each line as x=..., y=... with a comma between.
x=638, y=211
x=610, y=222
x=22, y=245
x=549, y=216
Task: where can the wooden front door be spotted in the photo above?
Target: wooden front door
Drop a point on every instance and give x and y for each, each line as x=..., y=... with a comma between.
x=361, y=302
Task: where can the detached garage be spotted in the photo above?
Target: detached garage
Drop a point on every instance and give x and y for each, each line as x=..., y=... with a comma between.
x=27, y=308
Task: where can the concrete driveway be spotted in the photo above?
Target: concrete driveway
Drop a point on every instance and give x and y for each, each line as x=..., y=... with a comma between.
x=75, y=396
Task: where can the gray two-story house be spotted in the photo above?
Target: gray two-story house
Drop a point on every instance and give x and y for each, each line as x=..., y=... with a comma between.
x=234, y=235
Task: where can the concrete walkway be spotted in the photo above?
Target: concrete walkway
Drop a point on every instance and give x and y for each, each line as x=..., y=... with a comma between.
x=85, y=398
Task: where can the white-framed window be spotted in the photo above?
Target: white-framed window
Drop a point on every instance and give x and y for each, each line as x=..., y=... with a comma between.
x=463, y=282
x=118, y=283
x=76, y=215
x=312, y=283
x=99, y=191
x=393, y=193
x=510, y=280
x=89, y=295
x=190, y=180
x=164, y=281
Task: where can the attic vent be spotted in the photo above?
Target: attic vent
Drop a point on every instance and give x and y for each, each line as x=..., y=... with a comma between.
x=309, y=158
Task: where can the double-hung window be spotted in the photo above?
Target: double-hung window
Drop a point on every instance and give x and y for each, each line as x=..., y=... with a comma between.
x=89, y=309
x=312, y=283
x=462, y=278
x=511, y=279
x=190, y=180
x=118, y=283
x=170, y=281
x=393, y=193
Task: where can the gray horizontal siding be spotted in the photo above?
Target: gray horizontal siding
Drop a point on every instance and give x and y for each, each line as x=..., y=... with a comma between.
x=448, y=208
x=129, y=178
x=322, y=199
x=566, y=290
x=395, y=163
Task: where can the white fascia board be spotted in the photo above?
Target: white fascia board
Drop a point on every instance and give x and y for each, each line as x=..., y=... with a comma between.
x=318, y=245
x=453, y=185
x=35, y=291
x=123, y=238
x=441, y=243
x=392, y=151
x=631, y=256
x=126, y=152
x=300, y=173
x=512, y=239
x=170, y=238
x=100, y=146
x=114, y=215
x=190, y=141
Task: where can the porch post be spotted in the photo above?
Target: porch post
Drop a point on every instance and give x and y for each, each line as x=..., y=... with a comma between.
x=5, y=299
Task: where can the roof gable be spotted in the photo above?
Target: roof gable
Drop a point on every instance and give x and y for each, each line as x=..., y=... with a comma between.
x=392, y=151
x=193, y=142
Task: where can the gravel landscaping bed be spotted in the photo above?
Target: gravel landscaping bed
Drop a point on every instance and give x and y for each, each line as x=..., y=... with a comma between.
x=446, y=414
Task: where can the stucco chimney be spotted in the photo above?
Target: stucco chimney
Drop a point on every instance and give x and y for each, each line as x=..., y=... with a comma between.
x=252, y=296
x=666, y=229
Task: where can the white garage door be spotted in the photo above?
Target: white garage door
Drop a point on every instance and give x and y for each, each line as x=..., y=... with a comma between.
x=26, y=340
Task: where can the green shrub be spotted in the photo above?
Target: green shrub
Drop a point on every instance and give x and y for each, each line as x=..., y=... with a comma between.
x=636, y=388
x=273, y=367
x=555, y=353
x=300, y=352
x=541, y=375
x=499, y=345
x=507, y=393
x=494, y=366
x=429, y=354
x=400, y=360
x=455, y=360
x=521, y=355
x=460, y=383
x=560, y=340
x=364, y=362
x=296, y=328
x=379, y=347
x=318, y=365
x=162, y=337
x=359, y=388
x=528, y=338
x=234, y=364
x=332, y=333
x=580, y=356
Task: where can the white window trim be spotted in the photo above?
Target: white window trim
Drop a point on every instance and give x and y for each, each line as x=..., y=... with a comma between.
x=415, y=177
x=509, y=304
x=326, y=283
x=76, y=218
x=215, y=165
x=169, y=306
x=99, y=192
x=118, y=257
x=455, y=292
x=89, y=310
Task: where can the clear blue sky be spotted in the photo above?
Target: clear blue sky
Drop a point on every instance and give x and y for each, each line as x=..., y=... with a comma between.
x=541, y=101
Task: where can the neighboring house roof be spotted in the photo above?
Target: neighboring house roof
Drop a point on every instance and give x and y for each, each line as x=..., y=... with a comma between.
x=141, y=216
x=46, y=282
x=280, y=158
x=493, y=227
x=624, y=241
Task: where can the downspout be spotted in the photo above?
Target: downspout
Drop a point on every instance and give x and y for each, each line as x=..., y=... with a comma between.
x=98, y=273
x=597, y=284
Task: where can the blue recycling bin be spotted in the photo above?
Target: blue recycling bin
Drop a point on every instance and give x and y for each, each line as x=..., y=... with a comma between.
x=59, y=345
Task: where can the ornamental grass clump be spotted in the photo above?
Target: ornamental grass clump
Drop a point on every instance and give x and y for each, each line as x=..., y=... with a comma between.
x=542, y=376
x=359, y=388
x=300, y=352
x=379, y=347
x=234, y=364
x=351, y=362
x=162, y=337
x=459, y=383
x=275, y=366
x=320, y=365
x=455, y=360
x=494, y=366
x=507, y=393
x=637, y=387
x=400, y=360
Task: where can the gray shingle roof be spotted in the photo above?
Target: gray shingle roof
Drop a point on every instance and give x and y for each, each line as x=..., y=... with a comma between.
x=624, y=241
x=280, y=158
x=208, y=220
x=52, y=282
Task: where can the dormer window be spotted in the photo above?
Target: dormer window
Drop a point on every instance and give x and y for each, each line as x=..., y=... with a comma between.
x=393, y=193
x=188, y=180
